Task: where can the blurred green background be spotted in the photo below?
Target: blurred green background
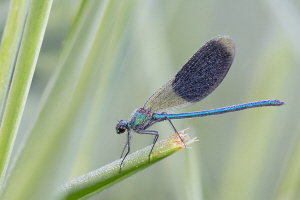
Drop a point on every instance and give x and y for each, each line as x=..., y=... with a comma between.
x=244, y=155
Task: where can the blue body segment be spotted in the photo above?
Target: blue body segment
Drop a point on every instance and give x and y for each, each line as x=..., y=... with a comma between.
x=218, y=111
x=200, y=76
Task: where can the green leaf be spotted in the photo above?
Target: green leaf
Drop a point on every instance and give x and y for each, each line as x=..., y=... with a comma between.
x=10, y=44
x=107, y=176
x=51, y=143
x=29, y=50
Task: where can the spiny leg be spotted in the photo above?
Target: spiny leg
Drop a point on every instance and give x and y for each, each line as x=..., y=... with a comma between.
x=150, y=132
x=176, y=131
x=128, y=149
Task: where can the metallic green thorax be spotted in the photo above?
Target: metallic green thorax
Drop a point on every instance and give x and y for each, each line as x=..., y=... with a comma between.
x=140, y=119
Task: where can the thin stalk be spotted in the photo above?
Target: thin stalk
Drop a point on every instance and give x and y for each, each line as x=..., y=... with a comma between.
x=100, y=179
x=29, y=50
x=10, y=44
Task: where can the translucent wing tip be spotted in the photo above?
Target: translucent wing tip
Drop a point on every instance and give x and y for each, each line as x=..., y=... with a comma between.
x=226, y=42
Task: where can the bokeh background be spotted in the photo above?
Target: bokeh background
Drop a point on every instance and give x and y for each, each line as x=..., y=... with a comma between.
x=244, y=155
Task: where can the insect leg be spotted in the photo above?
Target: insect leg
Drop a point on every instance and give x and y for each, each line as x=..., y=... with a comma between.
x=175, y=130
x=128, y=148
x=150, y=132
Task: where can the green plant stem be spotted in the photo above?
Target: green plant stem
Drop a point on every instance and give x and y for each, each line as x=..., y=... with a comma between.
x=51, y=143
x=105, y=177
x=10, y=43
x=29, y=50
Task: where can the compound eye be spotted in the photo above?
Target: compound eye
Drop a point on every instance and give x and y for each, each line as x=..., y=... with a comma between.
x=121, y=129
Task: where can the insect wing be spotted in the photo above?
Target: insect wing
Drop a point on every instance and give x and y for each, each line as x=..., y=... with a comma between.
x=201, y=75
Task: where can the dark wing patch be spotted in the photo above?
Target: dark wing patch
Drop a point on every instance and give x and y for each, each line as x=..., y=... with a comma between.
x=205, y=70
x=202, y=73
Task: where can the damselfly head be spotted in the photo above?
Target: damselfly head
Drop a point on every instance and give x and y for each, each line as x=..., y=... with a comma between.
x=121, y=126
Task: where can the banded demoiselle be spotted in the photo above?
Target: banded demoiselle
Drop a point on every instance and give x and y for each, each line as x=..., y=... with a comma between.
x=202, y=73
